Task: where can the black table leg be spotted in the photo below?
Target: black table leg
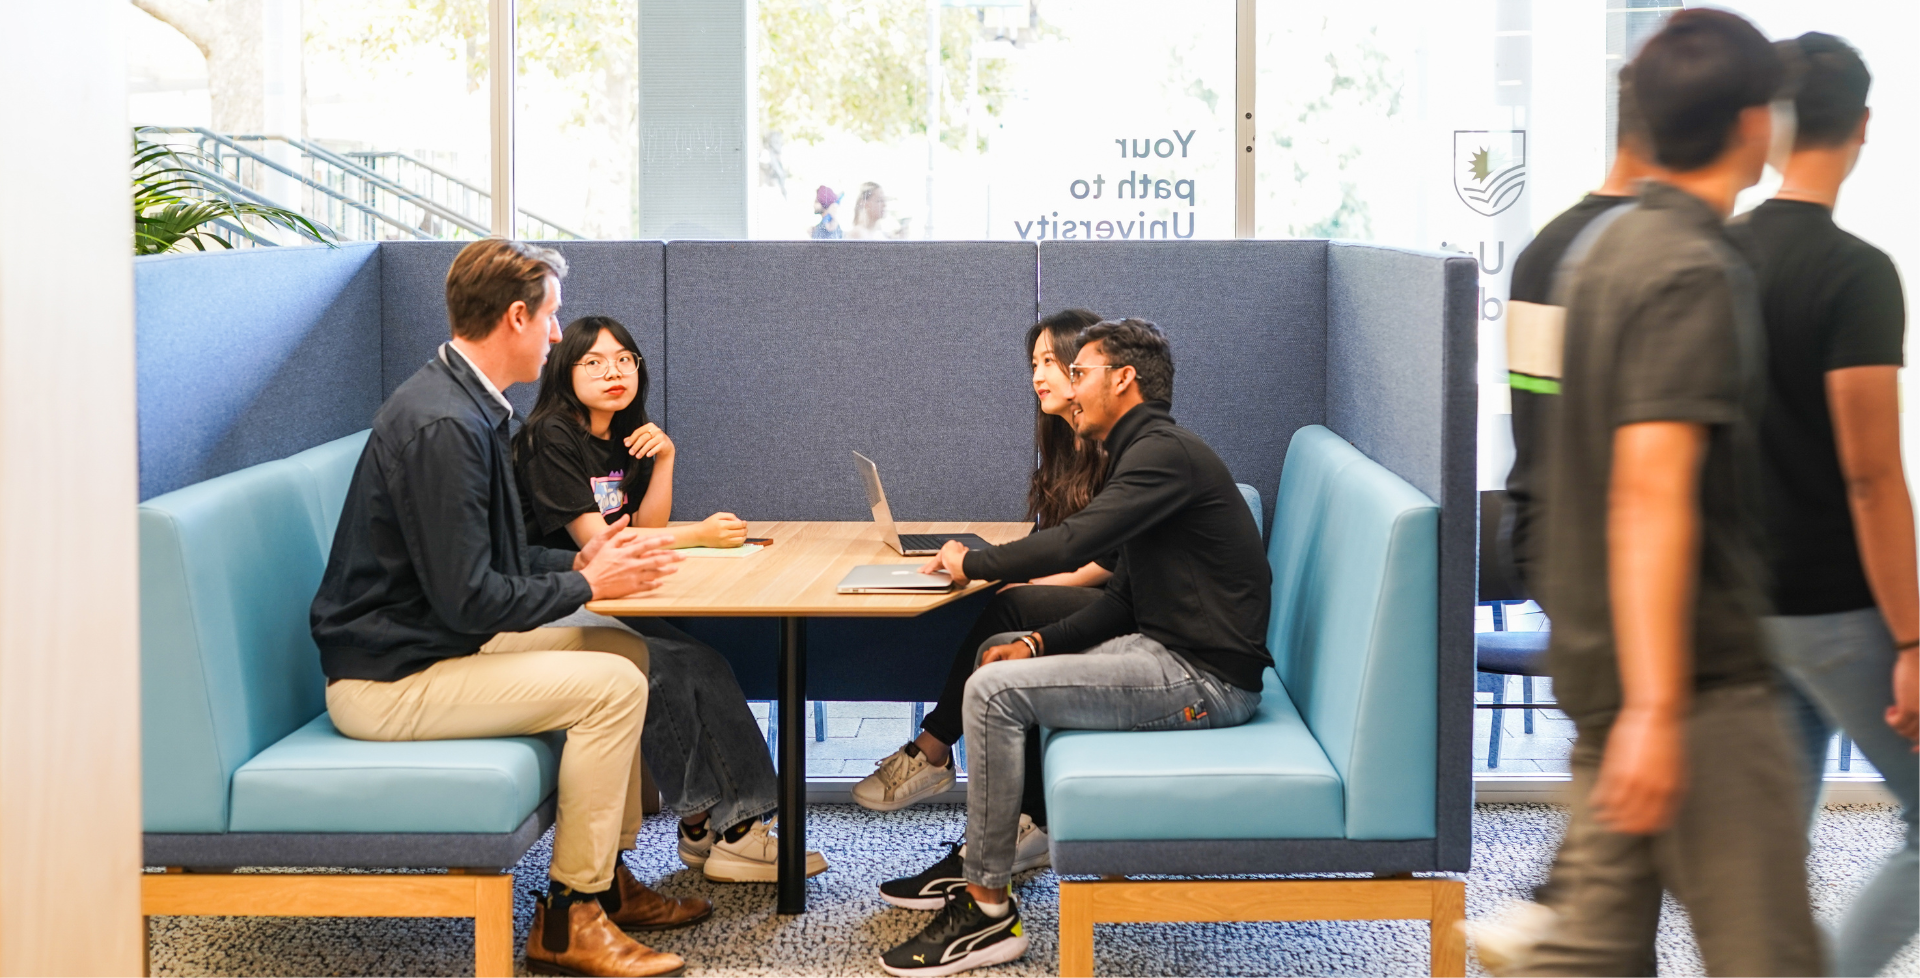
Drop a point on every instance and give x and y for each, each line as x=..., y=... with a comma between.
x=793, y=766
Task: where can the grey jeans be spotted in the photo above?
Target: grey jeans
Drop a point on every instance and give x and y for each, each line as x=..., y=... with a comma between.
x=1840, y=667
x=700, y=739
x=1735, y=856
x=1129, y=683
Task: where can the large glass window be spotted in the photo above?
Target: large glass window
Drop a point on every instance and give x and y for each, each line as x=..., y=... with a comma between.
x=1102, y=119
x=576, y=128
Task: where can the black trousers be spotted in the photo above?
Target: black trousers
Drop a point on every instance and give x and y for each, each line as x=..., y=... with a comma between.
x=1011, y=610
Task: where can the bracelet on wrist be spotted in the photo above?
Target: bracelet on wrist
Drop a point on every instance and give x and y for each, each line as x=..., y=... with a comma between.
x=1032, y=646
x=1908, y=645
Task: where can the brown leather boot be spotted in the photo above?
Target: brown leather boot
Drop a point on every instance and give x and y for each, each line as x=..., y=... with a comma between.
x=586, y=943
x=632, y=905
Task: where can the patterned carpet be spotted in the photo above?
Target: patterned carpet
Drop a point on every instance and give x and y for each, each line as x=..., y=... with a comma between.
x=849, y=926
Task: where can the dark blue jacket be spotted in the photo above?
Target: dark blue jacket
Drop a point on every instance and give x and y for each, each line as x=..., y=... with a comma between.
x=431, y=558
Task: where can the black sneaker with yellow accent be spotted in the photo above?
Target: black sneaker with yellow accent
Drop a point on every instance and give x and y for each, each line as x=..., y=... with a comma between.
x=962, y=937
x=929, y=888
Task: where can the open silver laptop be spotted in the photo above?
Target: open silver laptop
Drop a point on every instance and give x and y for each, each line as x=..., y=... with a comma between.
x=911, y=544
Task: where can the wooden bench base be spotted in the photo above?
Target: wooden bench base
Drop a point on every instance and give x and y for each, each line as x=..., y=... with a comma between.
x=486, y=897
x=1440, y=901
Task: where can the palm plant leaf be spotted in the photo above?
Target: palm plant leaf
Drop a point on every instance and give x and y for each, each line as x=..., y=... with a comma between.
x=178, y=205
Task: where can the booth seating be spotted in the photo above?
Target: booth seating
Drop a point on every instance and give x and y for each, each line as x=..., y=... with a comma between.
x=241, y=765
x=908, y=352
x=1335, y=772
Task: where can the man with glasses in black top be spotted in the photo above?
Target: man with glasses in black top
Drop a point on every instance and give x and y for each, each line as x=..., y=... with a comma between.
x=1175, y=641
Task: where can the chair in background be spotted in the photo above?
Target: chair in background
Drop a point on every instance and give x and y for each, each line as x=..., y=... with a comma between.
x=1500, y=653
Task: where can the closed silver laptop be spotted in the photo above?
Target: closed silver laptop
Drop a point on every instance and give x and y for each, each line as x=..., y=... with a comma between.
x=893, y=579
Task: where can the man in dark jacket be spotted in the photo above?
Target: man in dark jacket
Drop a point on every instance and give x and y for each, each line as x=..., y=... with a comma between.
x=1176, y=641
x=428, y=616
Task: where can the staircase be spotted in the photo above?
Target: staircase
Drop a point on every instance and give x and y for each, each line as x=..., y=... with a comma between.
x=359, y=195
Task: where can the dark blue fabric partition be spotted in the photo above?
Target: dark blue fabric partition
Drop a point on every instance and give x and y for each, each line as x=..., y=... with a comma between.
x=252, y=355
x=621, y=279
x=788, y=356
x=1402, y=343
x=1247, y=321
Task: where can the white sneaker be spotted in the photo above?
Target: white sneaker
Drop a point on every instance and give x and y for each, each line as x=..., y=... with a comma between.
x=1030, y=850
x=753, y=858
x=1505, y=940
x=902, y=778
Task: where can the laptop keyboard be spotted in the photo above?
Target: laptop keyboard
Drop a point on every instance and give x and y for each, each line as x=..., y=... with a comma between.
x=921, y=541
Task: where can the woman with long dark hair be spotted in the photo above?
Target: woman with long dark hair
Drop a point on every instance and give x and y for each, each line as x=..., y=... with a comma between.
x=587, y=457
x=1067, y=472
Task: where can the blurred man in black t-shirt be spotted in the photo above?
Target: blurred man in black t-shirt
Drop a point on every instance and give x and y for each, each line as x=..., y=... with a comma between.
x=1536, y=320
x=1839, y=519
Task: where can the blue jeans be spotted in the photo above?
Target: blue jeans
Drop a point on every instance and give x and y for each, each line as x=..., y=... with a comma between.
x=1129, y=683
x=701, y=741
x=1840, y=667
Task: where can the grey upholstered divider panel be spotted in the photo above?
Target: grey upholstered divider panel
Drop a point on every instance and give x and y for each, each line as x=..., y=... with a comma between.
x=251, y=355
x=1401, y=343
x=1247, y=320
x=787, y=356
x=621, y=279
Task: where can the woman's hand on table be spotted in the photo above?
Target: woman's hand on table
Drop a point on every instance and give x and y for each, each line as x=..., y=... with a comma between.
x=722, y=530
x=648, y=441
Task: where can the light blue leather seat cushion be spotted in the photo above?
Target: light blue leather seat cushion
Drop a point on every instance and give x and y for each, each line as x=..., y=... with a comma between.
x=1265, y=779
x=1355, y=556
x=319, y=780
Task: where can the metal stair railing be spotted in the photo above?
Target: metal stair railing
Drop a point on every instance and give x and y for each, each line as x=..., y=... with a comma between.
x=350, y=197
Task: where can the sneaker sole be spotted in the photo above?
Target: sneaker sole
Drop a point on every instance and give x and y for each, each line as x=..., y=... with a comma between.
x=1011, y=949
x=549, y=968
x=720, y=869
x=907, y=802
x=693, y=860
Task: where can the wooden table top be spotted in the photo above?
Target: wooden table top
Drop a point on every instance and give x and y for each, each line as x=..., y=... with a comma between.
x=797, y=575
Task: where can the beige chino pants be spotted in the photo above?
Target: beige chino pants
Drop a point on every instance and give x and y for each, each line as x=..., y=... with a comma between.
x=524, y=683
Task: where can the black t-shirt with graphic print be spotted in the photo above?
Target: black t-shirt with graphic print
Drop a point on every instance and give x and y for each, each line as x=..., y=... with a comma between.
x=568, y=473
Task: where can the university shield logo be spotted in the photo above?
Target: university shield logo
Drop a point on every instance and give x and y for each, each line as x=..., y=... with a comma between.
x=1489, y=168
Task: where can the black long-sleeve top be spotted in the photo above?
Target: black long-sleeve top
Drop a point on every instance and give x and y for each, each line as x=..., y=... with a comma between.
x=1191, y=573
x=431, y=559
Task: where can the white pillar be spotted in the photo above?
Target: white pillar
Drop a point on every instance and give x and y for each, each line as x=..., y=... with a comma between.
x=502, y=63
x=933, y=108
x=69, y=585
x=282, y=105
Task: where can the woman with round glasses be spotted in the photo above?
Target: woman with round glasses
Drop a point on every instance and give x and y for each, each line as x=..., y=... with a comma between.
x=586, y=457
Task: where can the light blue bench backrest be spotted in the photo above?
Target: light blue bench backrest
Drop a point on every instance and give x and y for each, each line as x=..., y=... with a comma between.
x=1355, y=558
x=228, y=570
